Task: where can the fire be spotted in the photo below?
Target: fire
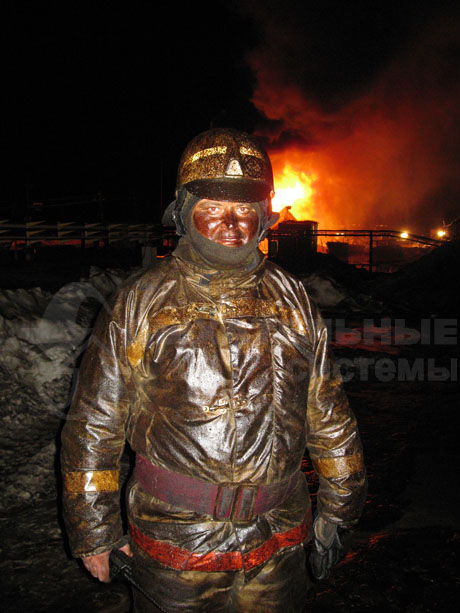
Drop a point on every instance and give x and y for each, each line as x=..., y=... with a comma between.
x=295, y=189
x=294, y=186
x=375, y=154
x=306, y=184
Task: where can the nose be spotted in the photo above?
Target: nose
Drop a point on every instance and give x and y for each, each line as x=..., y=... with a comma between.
x=230, y=218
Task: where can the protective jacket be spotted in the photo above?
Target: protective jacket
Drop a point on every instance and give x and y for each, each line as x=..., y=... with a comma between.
x=225, y=378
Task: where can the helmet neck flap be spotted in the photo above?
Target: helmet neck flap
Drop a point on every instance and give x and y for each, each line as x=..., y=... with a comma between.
x=178, y=210
x=194, y=246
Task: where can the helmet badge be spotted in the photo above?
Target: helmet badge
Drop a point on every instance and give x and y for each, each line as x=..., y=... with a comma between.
x=234, y=169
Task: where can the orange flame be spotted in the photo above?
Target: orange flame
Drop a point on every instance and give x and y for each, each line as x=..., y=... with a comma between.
x=300, y=183
x=295, y=189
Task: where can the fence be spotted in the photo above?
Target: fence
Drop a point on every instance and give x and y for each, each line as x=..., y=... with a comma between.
x=69, y=233
x=383, y=250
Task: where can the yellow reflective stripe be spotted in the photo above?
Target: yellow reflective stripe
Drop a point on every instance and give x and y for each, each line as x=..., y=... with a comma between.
x=80, y=482
x=206, y=153
x=243, y=307
x=331, y=468
x=251, y=151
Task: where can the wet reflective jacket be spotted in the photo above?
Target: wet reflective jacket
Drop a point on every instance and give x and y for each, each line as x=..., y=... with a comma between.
x=224, y=378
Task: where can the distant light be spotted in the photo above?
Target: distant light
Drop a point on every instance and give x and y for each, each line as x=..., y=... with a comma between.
x=404, y=235
x=441, y=232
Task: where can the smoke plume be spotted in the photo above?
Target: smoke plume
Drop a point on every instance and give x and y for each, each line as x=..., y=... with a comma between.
x=374, y=128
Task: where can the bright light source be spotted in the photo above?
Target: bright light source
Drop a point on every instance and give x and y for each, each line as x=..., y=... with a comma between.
x=441, y=232
x=404, y=234
x=294, y=188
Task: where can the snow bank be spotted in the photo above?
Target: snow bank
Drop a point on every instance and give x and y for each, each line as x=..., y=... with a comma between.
x=331, y=295
x=42, y=337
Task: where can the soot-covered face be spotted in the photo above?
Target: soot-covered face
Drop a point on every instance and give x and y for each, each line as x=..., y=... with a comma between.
x=232, y=224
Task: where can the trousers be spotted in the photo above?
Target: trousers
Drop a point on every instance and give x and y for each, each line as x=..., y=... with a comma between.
x=279, y=586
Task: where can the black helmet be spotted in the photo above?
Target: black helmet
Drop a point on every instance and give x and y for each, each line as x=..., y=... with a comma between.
x=223, y=164
x=226, y=164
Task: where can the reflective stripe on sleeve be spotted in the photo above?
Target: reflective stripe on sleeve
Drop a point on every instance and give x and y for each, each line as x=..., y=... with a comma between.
x=342, y=466
x=81, y=482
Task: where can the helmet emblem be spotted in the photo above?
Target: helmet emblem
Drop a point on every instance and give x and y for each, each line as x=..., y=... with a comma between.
x=234, y=169
x=253, y=167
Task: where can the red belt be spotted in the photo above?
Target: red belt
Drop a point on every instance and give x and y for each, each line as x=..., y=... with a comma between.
x=221, y=502
x=181, y=559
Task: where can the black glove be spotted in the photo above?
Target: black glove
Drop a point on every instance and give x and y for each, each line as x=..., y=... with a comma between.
x=326, y=548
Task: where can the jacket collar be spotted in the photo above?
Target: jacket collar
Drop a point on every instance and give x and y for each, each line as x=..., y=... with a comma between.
x=200, y=274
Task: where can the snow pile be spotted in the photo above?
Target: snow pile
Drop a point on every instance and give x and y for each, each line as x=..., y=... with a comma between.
x=42, y=337
x=332, y=295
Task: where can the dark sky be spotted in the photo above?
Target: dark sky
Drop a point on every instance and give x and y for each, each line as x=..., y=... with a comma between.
x=104, y=96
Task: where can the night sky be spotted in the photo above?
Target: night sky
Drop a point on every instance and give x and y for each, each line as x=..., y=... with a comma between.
x=102, y=97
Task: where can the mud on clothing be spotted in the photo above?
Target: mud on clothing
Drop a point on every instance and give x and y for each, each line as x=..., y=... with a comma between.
x=224, y=378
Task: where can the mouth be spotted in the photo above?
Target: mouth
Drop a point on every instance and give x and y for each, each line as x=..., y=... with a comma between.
x=230, y=241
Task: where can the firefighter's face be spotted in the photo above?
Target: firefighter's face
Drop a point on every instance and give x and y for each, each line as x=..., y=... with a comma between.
x=232, y=224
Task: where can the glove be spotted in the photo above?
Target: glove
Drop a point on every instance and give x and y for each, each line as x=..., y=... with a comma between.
x=326, y=550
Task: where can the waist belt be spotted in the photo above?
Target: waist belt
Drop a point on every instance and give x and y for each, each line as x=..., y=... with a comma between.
x=221, y=502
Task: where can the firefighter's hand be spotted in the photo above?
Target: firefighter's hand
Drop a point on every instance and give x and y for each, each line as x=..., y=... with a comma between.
x=326, y=548
x=98, y=565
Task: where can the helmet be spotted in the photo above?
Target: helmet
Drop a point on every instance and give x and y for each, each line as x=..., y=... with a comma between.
x=226, y=164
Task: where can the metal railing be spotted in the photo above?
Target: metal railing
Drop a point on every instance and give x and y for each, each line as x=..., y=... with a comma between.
x=374, y=234
x=296, y=242
x=33, y=232
x=20, y=235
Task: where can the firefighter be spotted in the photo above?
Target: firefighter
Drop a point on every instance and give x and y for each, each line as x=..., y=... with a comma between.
x=214, y=365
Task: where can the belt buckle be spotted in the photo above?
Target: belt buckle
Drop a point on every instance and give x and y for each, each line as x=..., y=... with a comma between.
x=243, y=503
x=224, y=502
x=235, y=503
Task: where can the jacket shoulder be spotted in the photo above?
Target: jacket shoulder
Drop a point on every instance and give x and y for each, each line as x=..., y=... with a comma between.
x=277, y=275
x=288, y=288
x=148, y=278
x=143, y=286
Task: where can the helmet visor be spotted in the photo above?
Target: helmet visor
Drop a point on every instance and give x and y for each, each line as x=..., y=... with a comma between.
x=232, y=190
